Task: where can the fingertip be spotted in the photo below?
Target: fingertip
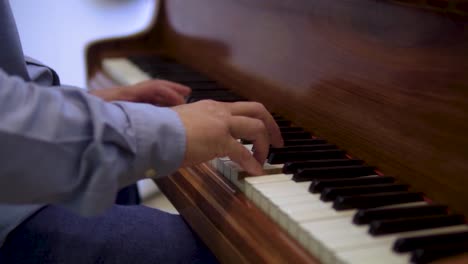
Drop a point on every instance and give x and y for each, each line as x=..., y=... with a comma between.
x=257, y=170
x=279, y=143
x=245, y=159
x=182, y=89
x=188, y=90
x=260, y=156
x=180, y=100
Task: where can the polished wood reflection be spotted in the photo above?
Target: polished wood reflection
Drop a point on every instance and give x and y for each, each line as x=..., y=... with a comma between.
x=237, y=231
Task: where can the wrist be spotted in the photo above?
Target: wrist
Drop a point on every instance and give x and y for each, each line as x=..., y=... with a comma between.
x=114, y=94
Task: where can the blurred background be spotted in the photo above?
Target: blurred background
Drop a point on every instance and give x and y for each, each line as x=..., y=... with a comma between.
x=56, y=32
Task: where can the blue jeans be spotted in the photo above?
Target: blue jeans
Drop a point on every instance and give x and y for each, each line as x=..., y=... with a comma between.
x=128, y=195
x=123, y=234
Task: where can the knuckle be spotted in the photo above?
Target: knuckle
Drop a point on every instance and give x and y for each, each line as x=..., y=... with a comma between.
x=259, y=107
x=211, y=105
x=208, y=102
x=259, y=126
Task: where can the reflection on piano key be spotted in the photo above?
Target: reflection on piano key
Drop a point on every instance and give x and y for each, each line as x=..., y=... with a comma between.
x=319, y=185
x=375, y=200
x=283, y=157
x=432, y=253
x=382, y=227
x=368, y=215
x=330, y=193
x=307, y=141
x=293, y=167
x=406, y=244
x=352, y=171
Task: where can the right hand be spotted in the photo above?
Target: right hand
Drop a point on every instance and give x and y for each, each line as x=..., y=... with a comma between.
x=213, y=127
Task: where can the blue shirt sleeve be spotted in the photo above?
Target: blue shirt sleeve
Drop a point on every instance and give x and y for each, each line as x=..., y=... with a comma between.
x=68, y=147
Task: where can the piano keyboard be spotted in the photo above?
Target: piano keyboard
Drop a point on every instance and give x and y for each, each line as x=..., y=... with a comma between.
x=336, y=207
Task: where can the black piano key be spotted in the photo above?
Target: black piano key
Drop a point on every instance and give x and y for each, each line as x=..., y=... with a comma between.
x=282, y=157
x=180, y=77
x=303, y=148
x=298, y=142
x=204, y=86
x=293, y=167
x=184, y=75
x=430, y=254
x=208, y=94
x=365, y=216
x=318, y=185
x=330, y=193
x=407, y=244
x=246, y=141
x=296, y=135
x=283, y=122
x=375, y=200
x=155, y=70
x=353, y=171
x=383, y=227
x=285, y=129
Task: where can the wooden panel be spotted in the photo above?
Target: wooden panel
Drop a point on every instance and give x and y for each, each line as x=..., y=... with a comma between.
x=233, y=227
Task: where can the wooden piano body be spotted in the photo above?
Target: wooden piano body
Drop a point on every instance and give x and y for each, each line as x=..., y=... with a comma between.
x=385, y=80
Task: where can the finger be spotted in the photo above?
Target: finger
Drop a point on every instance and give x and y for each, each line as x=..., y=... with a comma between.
x=254, y=130
x=179, y=88
x=257, y=110
x=240, y=155
x=166, y=96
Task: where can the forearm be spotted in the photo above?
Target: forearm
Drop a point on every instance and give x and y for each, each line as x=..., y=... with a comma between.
x=65, y=146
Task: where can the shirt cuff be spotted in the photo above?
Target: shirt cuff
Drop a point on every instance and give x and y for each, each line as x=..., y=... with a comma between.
x=160, y=139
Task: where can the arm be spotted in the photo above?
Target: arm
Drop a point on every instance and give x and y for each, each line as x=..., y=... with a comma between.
x=68, y=147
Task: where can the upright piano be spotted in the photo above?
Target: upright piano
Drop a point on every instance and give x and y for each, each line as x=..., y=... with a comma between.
x=372, y=97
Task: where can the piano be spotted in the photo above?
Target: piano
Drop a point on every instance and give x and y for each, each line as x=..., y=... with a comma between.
x=371, y=97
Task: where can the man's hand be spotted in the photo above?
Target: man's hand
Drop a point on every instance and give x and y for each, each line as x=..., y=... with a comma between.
x=213, y=127
x=156, y=92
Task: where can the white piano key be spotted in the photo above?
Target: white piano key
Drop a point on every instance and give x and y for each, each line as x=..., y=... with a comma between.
x=279, y=203
x=370, y=255
x=254, y=181
x=266, y=191
x=213, y=163
x=249, y=147
x=124, y=71
x=220, y=165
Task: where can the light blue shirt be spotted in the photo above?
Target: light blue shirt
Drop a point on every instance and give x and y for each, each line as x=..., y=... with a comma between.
x=61, y=145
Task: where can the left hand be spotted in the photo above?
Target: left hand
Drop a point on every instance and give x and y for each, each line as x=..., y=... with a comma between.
x=156, y=92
